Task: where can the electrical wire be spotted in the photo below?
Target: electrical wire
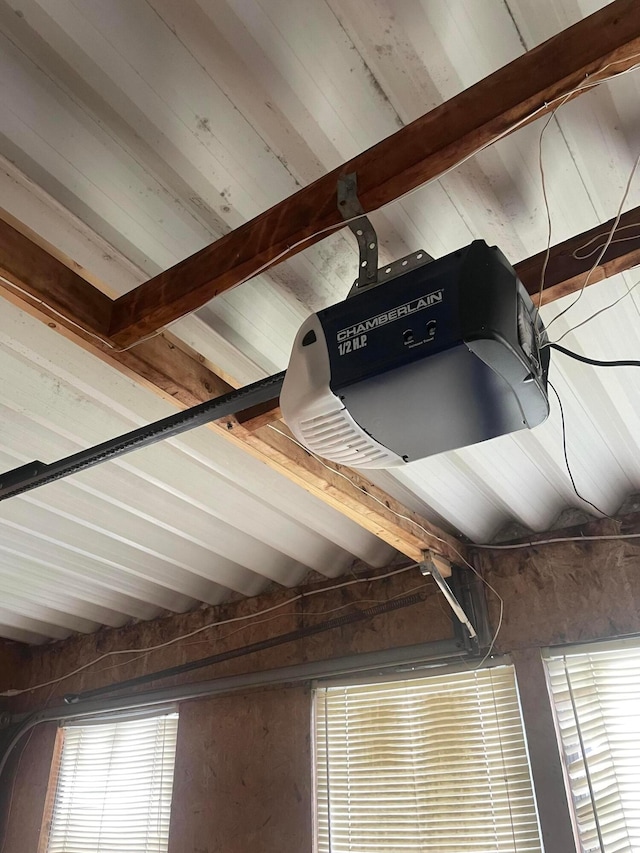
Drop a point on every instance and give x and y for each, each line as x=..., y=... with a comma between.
x=634, y=237
x=545, y=197
x=296, y=613
x=598, y=312
x=559, y=539
x=604, y=248
x=83, y=329
x=566, y=455
x=594, y=361
x=217, y=624
x=269, y=642
x=33, y=720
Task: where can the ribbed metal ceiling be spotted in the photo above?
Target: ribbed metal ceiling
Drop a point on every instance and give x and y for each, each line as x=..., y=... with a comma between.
x=133, y=134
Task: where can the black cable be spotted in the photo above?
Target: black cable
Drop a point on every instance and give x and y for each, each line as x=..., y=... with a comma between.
x=566, y=455
x=594, y=361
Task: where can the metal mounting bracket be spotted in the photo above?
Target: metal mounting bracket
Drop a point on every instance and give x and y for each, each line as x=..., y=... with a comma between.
x=436, y=566
x=364, y=232
x=368, y=273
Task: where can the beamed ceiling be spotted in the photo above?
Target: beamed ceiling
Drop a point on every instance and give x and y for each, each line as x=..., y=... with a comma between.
x=135, y=135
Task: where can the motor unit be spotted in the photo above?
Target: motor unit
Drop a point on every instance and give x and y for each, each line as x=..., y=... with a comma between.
x=443, y=356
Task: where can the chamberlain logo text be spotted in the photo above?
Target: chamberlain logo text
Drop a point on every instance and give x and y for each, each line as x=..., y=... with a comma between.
x=390, y=316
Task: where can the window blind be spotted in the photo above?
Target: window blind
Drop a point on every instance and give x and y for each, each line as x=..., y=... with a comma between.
x=114, y=787
x=597, y=699
x=431, y=764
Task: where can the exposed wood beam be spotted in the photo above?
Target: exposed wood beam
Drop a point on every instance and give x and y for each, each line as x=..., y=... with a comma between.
x=258, y=416
x=604, y=43
x=43, y=282
x=181, y=376
x=566, y=273
x=347, y=491
x=42, y=278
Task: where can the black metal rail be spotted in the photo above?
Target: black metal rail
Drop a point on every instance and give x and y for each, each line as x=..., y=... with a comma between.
x=35, y=474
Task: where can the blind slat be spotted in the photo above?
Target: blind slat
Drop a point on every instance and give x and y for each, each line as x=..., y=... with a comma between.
x=596, y=693
x=431, y=764
x=114, y=787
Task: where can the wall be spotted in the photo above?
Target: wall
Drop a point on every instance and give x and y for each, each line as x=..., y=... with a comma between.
x=14, y=658
x=417, y=624
x=571, y=592
x=242, y=779
x=243, y=772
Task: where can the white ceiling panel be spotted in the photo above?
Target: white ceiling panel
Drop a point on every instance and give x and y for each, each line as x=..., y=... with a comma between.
x=132, y=135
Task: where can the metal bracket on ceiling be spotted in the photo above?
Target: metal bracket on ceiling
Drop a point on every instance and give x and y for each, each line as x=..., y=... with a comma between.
x=368, y=273
x=351, y=210
x=439, y=568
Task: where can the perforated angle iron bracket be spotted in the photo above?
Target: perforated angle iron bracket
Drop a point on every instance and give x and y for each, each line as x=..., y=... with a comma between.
x=437, y=566
x=351, y=210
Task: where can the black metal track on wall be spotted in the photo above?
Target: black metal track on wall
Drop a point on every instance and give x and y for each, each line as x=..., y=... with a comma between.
x=35, y=474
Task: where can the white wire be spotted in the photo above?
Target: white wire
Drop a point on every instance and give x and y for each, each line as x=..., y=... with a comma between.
x=83, y=329
x=305, y=613
x=543, y=180
x=299, y=597
x=604, y=248
x=534, y=544
x=576, y=252
x=598, y=312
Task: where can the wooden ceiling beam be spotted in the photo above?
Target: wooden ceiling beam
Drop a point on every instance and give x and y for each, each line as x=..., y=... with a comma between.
x=49, y=285
x=606, y=42
x=347, y=491
x=181, y=376
x=598, y=46
x=571, y=261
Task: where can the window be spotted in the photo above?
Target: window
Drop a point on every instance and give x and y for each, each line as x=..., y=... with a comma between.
x=596, y=691
x=431, y=764
x=114, y=785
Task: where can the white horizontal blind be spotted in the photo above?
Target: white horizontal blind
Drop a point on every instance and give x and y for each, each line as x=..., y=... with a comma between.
x=432, y=764
x=114, y=787
x=597, y=699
